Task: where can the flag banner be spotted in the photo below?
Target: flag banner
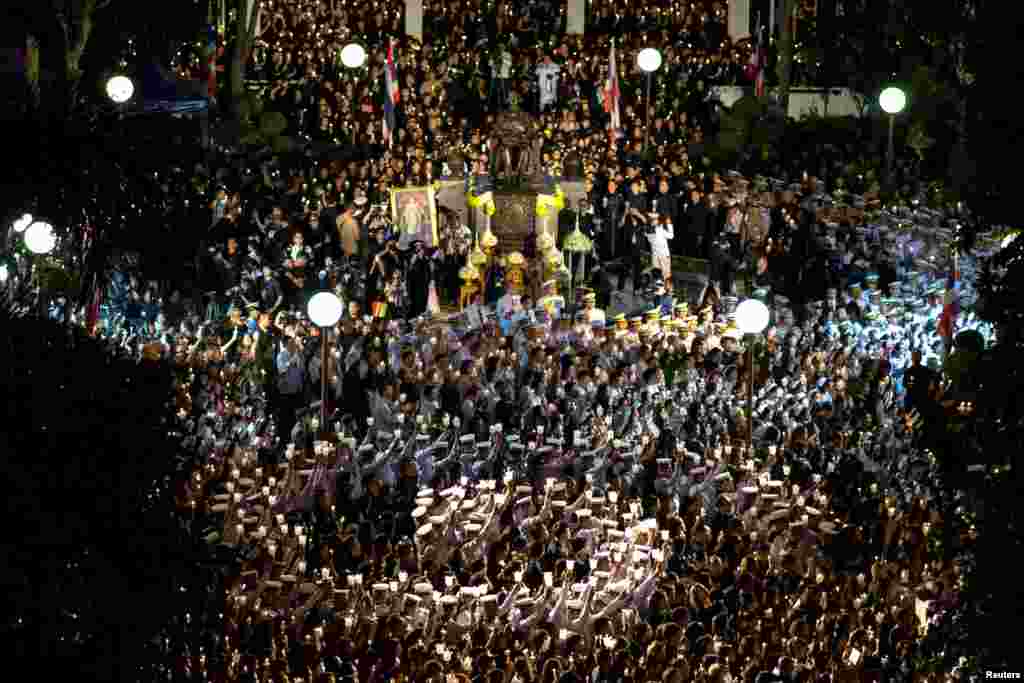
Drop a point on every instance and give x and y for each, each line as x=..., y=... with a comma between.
x=391, y=95
x=951, y=306
x=612, y=94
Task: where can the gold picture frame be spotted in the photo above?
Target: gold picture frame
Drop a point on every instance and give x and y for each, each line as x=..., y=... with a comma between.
x=414, y=212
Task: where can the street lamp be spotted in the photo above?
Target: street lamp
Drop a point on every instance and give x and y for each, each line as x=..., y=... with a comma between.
x=324, y=309
x=751, y=319
x=649, y=61
x=353, y=55
x=892, y=101
x=120, y=89
x=40, y=238
x=21, y=225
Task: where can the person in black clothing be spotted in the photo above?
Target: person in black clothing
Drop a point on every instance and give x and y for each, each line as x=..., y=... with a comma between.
x=329, y=215
x=724, y=262
x=419, y=276
x=917, y=380
x=698, y=220
x=611, y=212
x=636, y=221
x=666, y=202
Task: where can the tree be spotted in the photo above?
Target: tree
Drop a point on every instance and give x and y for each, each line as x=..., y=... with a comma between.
x=96, y=561
x=244, y=39
x=785, y=66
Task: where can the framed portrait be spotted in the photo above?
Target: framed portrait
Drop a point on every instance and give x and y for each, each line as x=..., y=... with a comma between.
x=414, y=212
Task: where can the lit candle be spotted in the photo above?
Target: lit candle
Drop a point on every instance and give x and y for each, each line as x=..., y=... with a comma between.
x=302, y=567
x=239, y=529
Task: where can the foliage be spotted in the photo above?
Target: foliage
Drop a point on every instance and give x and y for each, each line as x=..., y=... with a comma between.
x=989, y=500
x=92, y=568
x=55, y=278
x=750, y=122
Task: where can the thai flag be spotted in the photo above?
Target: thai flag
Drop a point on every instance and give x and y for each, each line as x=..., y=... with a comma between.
x=211, y=64
x=391, y=94
x=755, y=68
x=951, y=306
x=611, y=95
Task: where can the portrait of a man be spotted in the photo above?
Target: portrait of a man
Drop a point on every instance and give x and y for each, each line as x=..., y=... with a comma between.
x=414, y=211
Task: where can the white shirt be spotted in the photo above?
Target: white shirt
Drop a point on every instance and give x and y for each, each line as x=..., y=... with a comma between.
x=659, y=239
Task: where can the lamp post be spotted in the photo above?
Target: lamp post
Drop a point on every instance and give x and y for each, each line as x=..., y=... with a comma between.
x=353, y=55
x=751, y=319
x=324, y=309
x=120, y=89
x=649, y=61
x=40, y=240
x=892, y=100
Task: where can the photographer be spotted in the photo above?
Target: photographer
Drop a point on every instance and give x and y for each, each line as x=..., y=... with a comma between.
x=637, y=220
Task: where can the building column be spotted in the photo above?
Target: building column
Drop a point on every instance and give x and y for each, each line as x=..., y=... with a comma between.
x=414, y=18
x=739, y=19
x=575, y=16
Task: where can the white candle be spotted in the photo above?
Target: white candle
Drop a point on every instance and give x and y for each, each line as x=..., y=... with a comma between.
x=239, y=529
x=302, y=567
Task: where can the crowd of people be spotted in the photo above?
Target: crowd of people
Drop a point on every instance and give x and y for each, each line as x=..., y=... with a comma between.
x=474, y=63
x=571, y=497
x=619, y=488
